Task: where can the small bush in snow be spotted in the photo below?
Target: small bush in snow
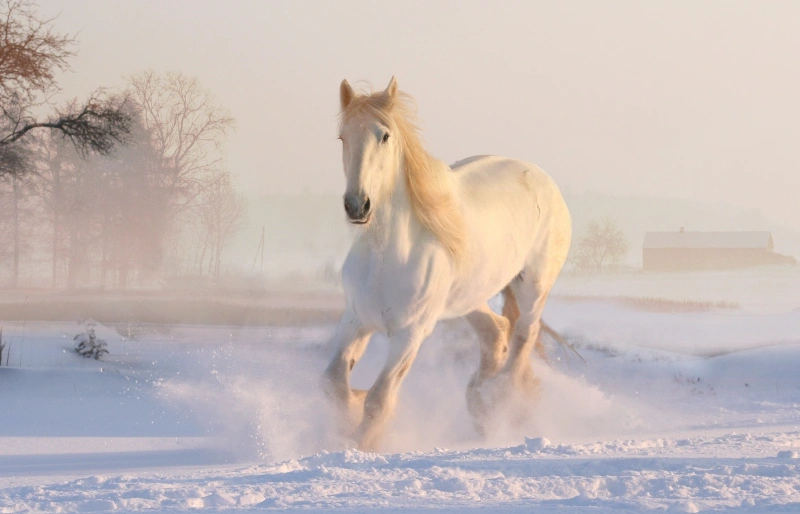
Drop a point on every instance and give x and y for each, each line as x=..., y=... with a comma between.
x=88, y=345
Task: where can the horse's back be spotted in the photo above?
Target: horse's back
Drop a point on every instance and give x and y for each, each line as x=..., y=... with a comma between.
x=456, y=166
x=485, y=179
x=545, y=228
x=521, y=185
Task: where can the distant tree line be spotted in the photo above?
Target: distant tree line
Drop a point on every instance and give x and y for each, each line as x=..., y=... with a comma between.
x=120, y=187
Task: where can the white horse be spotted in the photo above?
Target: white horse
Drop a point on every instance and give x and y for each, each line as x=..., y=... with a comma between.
x=438, y=243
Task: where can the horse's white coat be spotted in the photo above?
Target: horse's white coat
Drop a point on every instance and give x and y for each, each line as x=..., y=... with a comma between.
x=400, y=279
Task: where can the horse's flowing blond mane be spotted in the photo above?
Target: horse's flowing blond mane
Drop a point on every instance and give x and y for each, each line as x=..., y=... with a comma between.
x=427, y=182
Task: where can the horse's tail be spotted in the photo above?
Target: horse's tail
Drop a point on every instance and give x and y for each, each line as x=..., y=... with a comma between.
x=511, y=312
x=559, y=339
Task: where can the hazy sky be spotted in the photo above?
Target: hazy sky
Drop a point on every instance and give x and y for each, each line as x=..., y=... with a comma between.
x=696, y=100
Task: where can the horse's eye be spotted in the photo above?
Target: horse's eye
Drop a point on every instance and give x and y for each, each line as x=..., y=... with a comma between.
x=385, y=137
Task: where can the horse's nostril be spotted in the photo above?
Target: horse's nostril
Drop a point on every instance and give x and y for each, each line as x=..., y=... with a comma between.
x=355, y=207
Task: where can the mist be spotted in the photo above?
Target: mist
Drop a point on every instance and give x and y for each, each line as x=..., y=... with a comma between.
x=691, y=102
x=173, y=228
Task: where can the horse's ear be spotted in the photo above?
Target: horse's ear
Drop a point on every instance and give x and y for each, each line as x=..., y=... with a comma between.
x=345, y=94
x=391, y=89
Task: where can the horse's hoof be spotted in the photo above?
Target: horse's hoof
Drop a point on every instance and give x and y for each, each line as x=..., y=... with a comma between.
x=368, y=437
x=483, y=399
x=526, y=384
x=474, y=400
x=501, y=400
x=348, y=411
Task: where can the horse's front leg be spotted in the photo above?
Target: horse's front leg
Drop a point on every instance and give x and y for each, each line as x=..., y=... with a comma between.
x=351, y=341
x=382, y=396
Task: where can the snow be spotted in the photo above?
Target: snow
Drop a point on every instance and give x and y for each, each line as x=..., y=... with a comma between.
x=676, y=412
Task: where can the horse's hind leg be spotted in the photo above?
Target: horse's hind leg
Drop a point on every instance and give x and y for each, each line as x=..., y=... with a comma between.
x=493, y=331
x=351, y=341
x=510, y=308
x=531, y=292
x=511, y=312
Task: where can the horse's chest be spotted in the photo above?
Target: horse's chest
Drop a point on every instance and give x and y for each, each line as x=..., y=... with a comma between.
x=387, y=292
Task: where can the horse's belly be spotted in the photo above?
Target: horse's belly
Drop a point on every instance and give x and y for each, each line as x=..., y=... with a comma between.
x=501, y=243
x=473, y=289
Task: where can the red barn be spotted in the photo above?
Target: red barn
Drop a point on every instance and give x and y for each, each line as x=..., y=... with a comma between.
x=685, y=251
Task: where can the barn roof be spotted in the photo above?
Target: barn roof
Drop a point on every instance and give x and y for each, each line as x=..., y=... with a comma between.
x=761, y=240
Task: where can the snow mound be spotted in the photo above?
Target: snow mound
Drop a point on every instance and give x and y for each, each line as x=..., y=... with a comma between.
x=594, y=476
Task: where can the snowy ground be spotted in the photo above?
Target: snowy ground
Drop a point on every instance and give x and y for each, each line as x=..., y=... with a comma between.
x=681, y=412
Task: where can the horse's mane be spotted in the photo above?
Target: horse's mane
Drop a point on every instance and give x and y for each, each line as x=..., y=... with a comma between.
x=430, y=194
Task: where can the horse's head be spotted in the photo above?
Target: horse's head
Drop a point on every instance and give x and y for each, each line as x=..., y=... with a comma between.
x=371, y=149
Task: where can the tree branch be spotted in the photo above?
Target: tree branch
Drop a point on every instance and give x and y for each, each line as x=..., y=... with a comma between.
x=96, y=127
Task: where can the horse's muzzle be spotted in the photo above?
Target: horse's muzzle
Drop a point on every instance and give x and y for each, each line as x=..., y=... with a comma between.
x=358, y=208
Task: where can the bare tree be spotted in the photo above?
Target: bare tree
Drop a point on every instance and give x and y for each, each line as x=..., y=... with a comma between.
x=119, y=213
x=52, y=165
x=16, y=160
x=31, y=53
x=8, y=235
x=16, y=200
x=598, y=245
x=133, y=209
x=187, y=131
x=223, y=212
x=95, y=126
x=107, y=214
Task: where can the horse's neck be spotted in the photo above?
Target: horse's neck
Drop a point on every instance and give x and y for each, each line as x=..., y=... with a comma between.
x=397, y=228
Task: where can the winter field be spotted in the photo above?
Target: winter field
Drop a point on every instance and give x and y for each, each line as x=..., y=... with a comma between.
x=684, y=407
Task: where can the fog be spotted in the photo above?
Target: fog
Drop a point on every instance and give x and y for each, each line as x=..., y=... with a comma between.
x=689, y=101
x=206, y=248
